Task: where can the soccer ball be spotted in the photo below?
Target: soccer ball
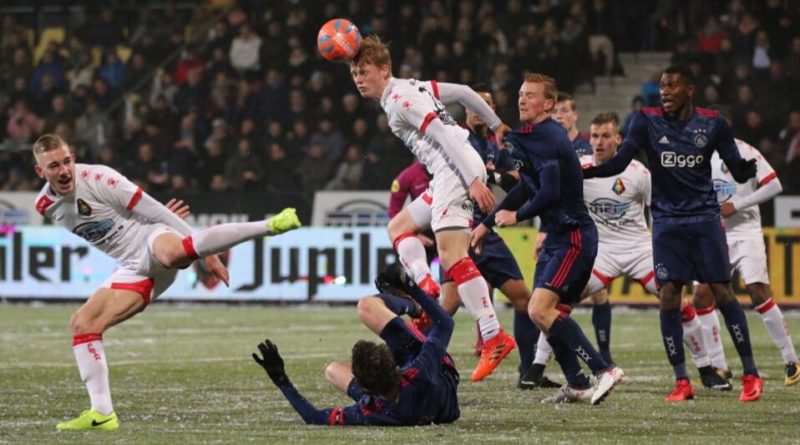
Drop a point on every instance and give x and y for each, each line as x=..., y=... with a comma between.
x=338, y=40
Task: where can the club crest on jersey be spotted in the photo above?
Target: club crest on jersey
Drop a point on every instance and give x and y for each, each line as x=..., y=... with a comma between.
x=618, y=187
x=700, y=139
x=661, y=271
x=83, y=208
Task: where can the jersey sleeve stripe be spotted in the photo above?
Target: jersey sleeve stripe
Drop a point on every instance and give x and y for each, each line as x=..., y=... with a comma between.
x=425, y=122
x=42, y=204
x=767, y=178
x=135, y=199
x=435, y=87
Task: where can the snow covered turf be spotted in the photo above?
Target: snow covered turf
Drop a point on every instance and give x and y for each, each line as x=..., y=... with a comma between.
x=184, y=375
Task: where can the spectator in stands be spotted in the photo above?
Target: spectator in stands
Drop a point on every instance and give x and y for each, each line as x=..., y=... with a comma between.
x=23, y=124
x=245, y=50
x=316, y=169
x=112, y=70
x=146, y=171
x=280, y=175
x=349, y=172
x=58, y=113
x=243, y=170
x=211, y=164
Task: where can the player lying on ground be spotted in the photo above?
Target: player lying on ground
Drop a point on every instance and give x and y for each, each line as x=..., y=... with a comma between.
x=149, y=242
x=410, y=380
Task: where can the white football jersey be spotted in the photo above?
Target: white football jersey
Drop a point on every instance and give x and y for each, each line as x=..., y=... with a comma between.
x=745, y=222
x=410, y=106
x=617, y=205
x=99, y=211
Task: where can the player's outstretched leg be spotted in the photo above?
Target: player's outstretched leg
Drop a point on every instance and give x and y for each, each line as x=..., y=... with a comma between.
x=219, y=238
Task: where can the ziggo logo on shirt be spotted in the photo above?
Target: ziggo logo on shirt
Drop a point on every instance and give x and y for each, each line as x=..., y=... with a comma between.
x=672, y=159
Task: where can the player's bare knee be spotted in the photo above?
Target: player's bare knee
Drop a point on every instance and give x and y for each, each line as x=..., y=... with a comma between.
x=759, y=293
x=723, y=293
x=332, y=371
x=82, y=323
x=600, y=297
x=703, y=297
x=366, y=306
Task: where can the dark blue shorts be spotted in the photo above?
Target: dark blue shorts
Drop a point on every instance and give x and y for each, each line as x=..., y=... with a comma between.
x=496, y=263
x=689, y=252
x=566, y=261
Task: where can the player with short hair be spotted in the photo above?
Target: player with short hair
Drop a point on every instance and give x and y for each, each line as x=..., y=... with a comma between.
x=565, y=113
x=742, y=217
x=552, y=188
x=688, y=239
x=410, y=380
x=494, y=260
x=149, y=242
x=617, y=204
x=417, y=115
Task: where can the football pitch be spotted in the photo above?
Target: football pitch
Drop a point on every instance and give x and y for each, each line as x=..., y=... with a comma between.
x=183, y=374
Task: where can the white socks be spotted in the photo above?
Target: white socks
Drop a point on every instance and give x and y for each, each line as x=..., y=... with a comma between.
x=711, y=332
x=474, y=293
x=222, y=237
x=91, y=358
x=412, y=255
x=776, y=326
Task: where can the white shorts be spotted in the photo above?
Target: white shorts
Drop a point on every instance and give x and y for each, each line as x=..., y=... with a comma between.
x=749, y=257
x=146, y=276
x=451, y=207
x=613, y=262
x=420, y=210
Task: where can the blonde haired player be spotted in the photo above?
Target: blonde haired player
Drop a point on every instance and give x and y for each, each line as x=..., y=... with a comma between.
x=742, y=218
x=147, y=240
x=417, y=116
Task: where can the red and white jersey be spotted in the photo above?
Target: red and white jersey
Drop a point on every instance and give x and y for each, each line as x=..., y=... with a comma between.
x=745, y=222
x=410, y=106
x=617, y=205
x=99, y=211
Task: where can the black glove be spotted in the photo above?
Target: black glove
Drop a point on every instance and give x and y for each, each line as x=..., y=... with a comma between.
x=389, y=279
x=272, y=362
x=747, y=169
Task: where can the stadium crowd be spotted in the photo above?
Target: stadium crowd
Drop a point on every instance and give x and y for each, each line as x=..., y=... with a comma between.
x=185, y=98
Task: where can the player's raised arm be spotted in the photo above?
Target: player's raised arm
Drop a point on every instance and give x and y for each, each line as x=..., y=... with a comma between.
x=464, y=95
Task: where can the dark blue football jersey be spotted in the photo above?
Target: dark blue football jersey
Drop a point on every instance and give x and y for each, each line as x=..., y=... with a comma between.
x=544, y=148
x=679, y=158
x=582, y=145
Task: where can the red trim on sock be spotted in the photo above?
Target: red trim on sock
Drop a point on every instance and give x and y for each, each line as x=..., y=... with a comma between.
x=143, y=288
x=705, y=310
x=765, y=306
x=86, y=338
x=603, y=279
x=401, y=238
x=464, y=270
x=137, y=196
x=188, y=247
x=688, y=313
x=564, y=308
